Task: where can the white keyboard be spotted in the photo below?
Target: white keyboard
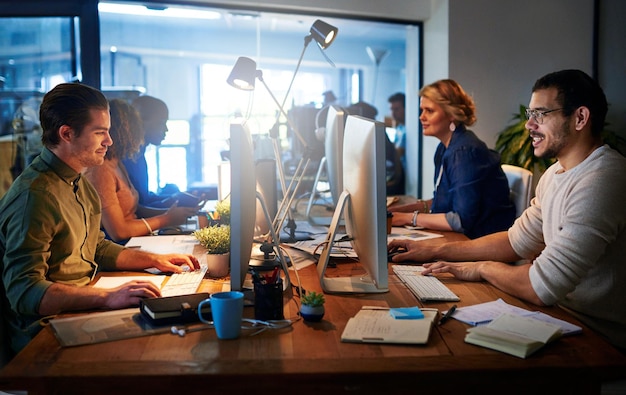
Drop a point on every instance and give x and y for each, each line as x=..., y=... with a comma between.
x=425, y=288
x=184, y=283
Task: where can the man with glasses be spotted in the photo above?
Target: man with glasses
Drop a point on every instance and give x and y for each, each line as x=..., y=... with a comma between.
x=574, y=232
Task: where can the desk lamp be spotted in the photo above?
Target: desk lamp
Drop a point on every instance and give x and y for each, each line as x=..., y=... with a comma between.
x=243, y=76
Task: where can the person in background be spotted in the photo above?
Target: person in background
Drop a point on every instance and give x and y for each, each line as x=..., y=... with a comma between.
x=122, y=215
x=397, y=103
x=574, y=231
x=471, y=190
x=154, y=115
x=51, y=246
x=393, y=166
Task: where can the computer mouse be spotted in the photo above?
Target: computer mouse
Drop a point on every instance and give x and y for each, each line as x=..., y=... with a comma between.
x=172, y=230
x=391, y=254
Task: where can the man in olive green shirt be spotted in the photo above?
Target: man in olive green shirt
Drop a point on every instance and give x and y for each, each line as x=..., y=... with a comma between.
x=51, y=246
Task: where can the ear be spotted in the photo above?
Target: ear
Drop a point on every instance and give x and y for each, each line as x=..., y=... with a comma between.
x=582, y=117
x=66, y=133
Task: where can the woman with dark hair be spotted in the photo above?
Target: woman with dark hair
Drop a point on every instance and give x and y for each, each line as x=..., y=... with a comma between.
x=122, y=216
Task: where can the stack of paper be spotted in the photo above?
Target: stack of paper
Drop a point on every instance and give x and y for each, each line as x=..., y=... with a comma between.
x=514, y=334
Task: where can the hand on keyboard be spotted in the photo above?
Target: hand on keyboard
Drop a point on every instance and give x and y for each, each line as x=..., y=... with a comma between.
x=183, y=283
x=425, y=288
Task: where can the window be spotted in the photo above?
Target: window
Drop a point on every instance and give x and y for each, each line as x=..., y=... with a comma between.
x=184, y=59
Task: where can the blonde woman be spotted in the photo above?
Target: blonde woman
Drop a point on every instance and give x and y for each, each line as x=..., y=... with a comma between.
x=471, y=191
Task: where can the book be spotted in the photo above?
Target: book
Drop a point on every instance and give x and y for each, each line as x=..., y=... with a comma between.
x=514, y=334
x=174, y=309
x=378, y=325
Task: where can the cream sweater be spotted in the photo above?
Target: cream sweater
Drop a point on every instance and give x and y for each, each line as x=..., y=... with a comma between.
x=576, y=225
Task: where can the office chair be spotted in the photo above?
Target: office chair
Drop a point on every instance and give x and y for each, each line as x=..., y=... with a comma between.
x=520, y=186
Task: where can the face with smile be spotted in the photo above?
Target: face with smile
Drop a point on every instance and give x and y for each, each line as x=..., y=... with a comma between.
x=435, y=121
x=550, y=138
x=89, y=148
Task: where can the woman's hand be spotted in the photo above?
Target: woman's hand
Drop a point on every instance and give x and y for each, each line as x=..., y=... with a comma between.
x=178, y=215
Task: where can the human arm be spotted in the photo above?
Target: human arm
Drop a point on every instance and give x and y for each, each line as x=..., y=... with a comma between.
x=472, y=189
x=495, y=246
x=428, y=221
x=63, y=297
x=512, y=279
x=132, y=260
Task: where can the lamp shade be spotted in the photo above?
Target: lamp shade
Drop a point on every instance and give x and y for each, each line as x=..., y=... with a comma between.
x=323, y=33
x=243, y=74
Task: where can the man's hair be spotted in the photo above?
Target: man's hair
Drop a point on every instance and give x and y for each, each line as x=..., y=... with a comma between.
x=397, y=97
x=577, y=89
x=68, y=104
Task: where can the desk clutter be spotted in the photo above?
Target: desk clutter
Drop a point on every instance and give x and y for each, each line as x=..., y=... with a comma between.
x=510, y=329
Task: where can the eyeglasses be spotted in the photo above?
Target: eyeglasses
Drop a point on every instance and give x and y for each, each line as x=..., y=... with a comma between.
x=538, y=115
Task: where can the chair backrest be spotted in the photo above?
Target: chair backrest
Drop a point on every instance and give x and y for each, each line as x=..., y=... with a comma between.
x=520, y=186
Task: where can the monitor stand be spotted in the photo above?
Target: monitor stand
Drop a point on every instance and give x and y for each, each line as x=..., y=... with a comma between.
x=348, y=284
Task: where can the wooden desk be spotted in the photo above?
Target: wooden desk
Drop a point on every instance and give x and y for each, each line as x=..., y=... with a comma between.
x=310, y=358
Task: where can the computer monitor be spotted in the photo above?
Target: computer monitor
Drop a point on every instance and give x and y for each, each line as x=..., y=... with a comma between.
x=242, y=203
x=333, y=150
x=363, y=206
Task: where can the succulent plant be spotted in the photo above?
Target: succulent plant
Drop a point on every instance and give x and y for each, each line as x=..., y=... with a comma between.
x=313, y=299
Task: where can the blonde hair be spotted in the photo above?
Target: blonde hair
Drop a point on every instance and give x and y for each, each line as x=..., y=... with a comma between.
x=453, y=99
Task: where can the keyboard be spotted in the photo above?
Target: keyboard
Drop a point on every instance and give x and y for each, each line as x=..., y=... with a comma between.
x=184, y=283
x=425, y=288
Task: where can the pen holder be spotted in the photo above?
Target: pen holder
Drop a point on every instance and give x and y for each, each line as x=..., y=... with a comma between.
x=268, y=301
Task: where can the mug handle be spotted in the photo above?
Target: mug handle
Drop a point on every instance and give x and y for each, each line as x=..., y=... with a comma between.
x=200, y=311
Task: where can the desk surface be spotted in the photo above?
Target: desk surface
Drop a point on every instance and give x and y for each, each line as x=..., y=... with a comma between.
x=310, y=357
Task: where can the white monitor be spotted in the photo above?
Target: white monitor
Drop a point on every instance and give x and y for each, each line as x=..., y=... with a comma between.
x=242, y=203
x=333, y=150
x=363, y=204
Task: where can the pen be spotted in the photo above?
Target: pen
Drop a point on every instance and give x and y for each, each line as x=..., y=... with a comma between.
x=447, y=315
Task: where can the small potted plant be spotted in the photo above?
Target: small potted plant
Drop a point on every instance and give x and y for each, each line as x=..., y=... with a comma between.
x=222, y=208
x=216, y=240
x=312, y=306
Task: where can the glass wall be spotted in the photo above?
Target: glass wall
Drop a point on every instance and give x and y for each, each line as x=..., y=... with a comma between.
x=185, y=60
x=183, y=56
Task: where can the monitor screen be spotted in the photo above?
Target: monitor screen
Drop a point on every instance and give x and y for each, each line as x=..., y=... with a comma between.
x=242, y=203
x=363, y=205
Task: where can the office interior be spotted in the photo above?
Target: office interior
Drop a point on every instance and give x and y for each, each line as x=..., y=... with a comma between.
x=495, y=49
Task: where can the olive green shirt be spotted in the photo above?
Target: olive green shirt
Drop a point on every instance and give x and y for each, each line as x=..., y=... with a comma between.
x=49, y=232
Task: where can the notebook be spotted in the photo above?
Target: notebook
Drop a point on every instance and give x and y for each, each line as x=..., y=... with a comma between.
x=378, y=325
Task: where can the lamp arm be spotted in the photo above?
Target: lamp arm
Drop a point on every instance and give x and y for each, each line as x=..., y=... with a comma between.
x=282, y=111
x=307, y=40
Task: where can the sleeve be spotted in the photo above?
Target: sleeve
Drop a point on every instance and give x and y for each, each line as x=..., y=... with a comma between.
x=107, y=252
x=467, y=168
x=27, y=247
